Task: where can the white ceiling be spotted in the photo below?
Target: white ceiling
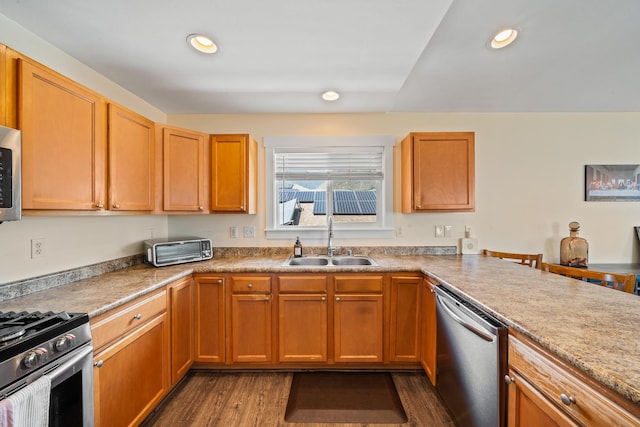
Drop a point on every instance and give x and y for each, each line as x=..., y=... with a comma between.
x=277, y=56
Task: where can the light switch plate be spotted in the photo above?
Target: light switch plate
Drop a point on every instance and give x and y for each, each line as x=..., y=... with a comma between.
x=249, y=231
x=439, y=231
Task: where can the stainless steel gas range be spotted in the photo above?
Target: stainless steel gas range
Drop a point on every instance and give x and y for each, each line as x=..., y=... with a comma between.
x=50, y=348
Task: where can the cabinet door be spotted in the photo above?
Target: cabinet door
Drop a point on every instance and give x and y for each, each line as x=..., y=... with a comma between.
x=428, y=354
x=251, y=327
x=209, y=308
x=184, y=170
x=5, y=93
x=404, y=337
x=302, y=324
x=63, y=142
x=181, y=309
x=233, y=174
x=358, y=327
x=131, y=157
x=131, y=376
x=528, y=407
x=438, y=172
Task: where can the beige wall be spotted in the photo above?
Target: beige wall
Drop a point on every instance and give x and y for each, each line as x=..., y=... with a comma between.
x=529, y=178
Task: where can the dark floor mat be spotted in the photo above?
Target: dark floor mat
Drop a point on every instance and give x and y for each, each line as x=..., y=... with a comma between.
x=344, y=397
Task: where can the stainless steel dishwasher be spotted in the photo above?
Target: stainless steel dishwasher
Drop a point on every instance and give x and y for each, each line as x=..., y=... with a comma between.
x=471, y=363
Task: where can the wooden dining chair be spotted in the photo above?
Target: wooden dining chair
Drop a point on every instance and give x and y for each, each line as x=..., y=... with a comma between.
x=532, y=260
x=621, y=282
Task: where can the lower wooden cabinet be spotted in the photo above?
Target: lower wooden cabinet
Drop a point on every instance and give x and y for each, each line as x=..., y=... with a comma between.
x=302, y=318
x=358, y=319
x=251, y=313
x=544, y=390
x=209, y=319
x=180, y=295
x=131, y=370
x=405, y=327
x=429, y=330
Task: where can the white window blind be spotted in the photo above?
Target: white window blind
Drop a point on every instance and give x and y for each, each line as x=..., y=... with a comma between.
x=336, y=163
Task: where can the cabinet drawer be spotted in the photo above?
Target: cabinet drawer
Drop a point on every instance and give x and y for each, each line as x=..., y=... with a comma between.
x=112, y=324
x=311, y=284
x=553, y=379
x=358, y=284
x=251, y=284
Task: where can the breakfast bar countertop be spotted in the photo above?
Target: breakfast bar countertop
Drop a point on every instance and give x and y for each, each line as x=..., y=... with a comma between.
x=590, y=327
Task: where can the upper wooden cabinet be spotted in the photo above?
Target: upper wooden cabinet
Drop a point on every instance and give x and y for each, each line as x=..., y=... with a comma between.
x=233, y=174
x=438, y=172
x=131, y=158
x=184, y=170
x=63, y=141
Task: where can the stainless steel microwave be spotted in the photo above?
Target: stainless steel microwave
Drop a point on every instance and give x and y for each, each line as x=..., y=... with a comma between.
x=161, y=252
x=10, y=175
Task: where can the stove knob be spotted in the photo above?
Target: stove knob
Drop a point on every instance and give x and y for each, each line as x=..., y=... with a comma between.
x=64, y=343
x=35, y=357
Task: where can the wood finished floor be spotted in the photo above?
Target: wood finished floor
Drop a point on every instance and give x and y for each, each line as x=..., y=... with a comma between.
x=259, y=399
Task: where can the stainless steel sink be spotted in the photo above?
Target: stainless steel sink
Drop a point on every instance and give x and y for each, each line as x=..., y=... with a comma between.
x=307, y=261
x=325, y=261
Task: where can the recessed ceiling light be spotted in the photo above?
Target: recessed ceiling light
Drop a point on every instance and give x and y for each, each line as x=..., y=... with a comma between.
x=330, y=95
x=504, y=38
x=202, y=43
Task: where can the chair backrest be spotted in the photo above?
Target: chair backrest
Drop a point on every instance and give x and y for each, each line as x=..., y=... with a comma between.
x=621, y=282
x=532, y=260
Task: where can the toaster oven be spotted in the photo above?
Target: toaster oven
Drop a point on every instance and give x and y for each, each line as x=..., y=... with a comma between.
x=161, y=252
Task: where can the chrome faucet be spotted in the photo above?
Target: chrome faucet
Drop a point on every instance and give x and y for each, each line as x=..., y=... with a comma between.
x=330, y=247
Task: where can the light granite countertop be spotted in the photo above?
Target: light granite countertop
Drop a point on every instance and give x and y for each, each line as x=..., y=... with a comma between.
x=592, y=328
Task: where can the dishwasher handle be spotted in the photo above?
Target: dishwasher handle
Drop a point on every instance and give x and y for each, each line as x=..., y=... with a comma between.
x=482, y=334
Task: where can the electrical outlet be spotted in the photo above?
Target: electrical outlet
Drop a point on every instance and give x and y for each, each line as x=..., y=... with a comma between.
x=37, y=248
x=439, y=232
x=447, y=230
x=233, y=232
x=249, y=231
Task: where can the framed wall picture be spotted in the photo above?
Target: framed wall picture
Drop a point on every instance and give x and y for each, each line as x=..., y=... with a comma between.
x=614, y=183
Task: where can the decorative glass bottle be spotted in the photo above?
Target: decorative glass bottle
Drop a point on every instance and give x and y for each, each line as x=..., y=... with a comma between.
x=574, y=250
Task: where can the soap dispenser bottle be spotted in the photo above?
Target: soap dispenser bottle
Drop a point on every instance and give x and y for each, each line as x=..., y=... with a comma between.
x=297, y=248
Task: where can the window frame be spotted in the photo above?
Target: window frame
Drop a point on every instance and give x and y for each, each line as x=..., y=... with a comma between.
x=382, y=228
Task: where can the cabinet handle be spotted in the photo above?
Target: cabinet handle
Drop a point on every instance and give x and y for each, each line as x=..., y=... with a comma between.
x=337, y=298
x=137, y=316
x=116, y=206
x=99, y=363
x=567, y=400
x=509, y=380
x=249, y=286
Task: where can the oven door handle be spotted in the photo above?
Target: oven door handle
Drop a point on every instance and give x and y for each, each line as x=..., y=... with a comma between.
x=77, y=359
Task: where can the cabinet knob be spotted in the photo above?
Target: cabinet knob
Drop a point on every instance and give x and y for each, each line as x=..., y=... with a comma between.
x=337, y=298
x=266, y=298
x=567, y=400
x=200, y=208
x=99, y=363
x=249, y=286
x=116, y=206
x=323, y=299
x=99, y=205
x=219, y=280
x=509, y=380
x=137, y=316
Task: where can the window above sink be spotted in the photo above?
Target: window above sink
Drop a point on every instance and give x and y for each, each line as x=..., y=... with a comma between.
x=311, y=178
